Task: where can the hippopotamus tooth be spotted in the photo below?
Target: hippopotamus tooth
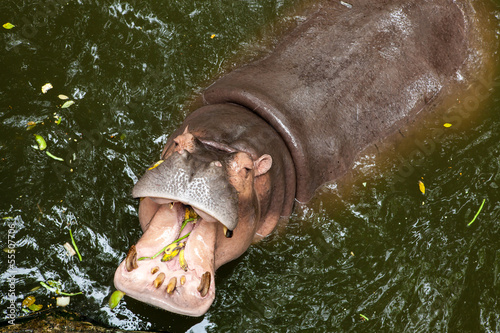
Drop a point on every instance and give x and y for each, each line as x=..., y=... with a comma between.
x=159, y=280
x=204, y=284
x=131, y=260
x=171, y=285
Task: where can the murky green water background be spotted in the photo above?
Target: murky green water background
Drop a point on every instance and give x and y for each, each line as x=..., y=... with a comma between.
x=372, y=245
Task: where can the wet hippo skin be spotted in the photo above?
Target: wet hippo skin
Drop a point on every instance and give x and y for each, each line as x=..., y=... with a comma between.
x=275, y=130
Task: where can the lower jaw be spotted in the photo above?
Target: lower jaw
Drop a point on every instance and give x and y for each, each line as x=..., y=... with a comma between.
x=174, y=294
x=165, y=284
x=172, y=290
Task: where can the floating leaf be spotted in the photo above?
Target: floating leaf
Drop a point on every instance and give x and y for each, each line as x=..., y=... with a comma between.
x=67, y=104
x=29, y=301
x=447, y=125
x=31, y=125
x=35, y=307
x=62, y=301
x=421, y=186
x=58, y=121
x=364, y=317
x=213, y=36
x=53, y=156
x=41, y=142
x=479, y=211
x=63, y=97
x=46, y=87
x=74, y=244
x=115, y=298
x=8, y=26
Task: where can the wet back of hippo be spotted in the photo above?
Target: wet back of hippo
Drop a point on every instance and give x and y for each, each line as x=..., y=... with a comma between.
x=348, y=77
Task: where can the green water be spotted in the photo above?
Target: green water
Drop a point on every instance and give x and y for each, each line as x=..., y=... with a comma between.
x=372, y=245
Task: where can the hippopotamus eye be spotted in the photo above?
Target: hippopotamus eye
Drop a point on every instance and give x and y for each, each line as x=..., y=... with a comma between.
x=247, y=170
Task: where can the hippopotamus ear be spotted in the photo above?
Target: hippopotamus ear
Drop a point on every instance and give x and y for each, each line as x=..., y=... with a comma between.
x=263, y=164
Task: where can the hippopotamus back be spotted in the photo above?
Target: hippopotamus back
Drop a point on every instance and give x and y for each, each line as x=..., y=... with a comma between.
x=348, y=77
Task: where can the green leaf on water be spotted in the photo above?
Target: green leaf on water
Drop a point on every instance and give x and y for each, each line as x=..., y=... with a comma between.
x=35, y=307
x=364, y=317
x=67, y=104
x=115, y=298
x=53, y=156
x=41, y=142
x=74, y=245
x=479, y=211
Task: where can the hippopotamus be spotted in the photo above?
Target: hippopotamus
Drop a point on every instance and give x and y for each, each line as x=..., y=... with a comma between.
x=270, y=133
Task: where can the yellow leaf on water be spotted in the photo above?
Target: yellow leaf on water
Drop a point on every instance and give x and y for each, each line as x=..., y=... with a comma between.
x=8, y=26
x=63, y=97
x=421, y=186
x=213, y=36
x=46, y=87
x=28, y=301
x=30, y=125
x=447, y=125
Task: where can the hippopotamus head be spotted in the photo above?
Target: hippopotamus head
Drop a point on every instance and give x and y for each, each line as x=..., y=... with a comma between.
x=218, y=187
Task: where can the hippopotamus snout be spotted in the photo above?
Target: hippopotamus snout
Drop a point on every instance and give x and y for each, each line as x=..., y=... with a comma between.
x=194, y=176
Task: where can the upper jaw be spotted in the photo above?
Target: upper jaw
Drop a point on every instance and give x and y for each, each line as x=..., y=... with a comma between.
x=166, y=284
x=182, y=177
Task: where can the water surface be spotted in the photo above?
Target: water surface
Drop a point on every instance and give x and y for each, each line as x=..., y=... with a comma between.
x=370, y=246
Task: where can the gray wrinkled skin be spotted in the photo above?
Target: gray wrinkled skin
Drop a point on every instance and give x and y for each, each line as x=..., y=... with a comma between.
x=182, y=177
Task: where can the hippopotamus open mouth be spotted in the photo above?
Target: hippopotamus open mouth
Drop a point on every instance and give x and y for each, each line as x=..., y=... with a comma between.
x=183, y=198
